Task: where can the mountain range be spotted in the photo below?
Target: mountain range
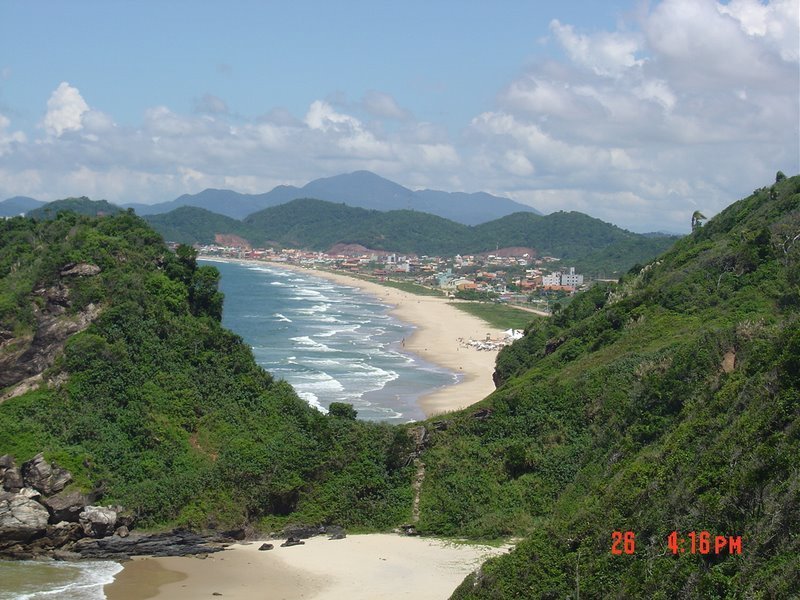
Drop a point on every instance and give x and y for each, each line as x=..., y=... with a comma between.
x=361, y=189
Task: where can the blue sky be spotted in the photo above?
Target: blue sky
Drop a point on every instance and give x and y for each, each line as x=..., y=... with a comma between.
x=637, y=113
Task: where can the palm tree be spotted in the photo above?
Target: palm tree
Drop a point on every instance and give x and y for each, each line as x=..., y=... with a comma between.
x=697, y=219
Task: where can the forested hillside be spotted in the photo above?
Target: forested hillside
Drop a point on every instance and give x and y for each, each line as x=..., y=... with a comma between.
x=669, y=402
x=587, y=243
x=114, y=363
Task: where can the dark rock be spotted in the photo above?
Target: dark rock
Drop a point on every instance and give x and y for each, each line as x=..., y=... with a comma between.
x=172, y=543
x=418, y=435
x=292, y=542
x=440, y=425
x=6, y=461
x=301, y=532
x=122, y=531
x=21, y=518
x=481, y=414
x=62, y=533
x=66, y=506
x=98, y=521
x=40, y=474
x=335, y=532
x=234, y=534
x=408, y=530
x=263, y=547
x=12, y=480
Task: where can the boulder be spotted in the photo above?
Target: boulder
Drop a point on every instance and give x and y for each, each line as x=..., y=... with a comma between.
x=292, y=542
x=122, y=531
x=335, y=532
x=98, y=521
x=12, y=480
x=66, y=506
x=264, y=547
x=79, y=270
x=21, y=518
x=40, y=474
x=302, y=531
x=63, y=533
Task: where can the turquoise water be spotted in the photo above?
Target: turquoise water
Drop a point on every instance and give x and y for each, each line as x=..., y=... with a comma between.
x=333, y=343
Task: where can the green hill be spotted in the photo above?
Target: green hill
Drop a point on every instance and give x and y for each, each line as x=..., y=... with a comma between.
x=137, y=389
x=192, y=225
x=81, y=206
x=667, y=403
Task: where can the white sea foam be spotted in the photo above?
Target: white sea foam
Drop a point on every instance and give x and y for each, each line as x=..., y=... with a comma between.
x=82, y=580
x=277, y=283
x=307, y=343
x=338, y=330
x=282, y=318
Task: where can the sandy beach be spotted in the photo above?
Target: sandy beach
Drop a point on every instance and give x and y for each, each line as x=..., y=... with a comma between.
x=359, y=567
x=439, y=326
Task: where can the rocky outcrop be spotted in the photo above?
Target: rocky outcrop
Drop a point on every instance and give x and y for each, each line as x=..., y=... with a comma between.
x=23, y=359
x=38, y=517
x=98, y=521
x=79, y=270
x=21, y=518
x=44, y=476
x=173, y=543
x=66, y=506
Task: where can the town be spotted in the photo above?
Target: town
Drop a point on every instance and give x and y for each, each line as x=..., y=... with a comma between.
x=516, y=276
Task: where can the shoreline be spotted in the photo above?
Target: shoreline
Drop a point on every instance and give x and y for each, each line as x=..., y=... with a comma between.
x=438, y=329
x=358, y=567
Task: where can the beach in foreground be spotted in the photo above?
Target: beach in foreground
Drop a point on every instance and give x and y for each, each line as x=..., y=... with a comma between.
x=359, y=567
x=439, y=327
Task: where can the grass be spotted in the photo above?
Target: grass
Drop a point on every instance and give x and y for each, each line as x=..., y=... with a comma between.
x=498, y=315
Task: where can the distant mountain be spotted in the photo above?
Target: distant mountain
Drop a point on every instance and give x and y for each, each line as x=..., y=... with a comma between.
x=361, y=189
x=224, y=202
x=82, y=206
x=18, y=205
x=587, y=243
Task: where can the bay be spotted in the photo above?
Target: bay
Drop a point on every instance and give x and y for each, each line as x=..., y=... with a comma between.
x=333, y=343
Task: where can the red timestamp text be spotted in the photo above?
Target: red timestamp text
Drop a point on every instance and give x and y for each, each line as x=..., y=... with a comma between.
x=623, y=542
x=702, y=542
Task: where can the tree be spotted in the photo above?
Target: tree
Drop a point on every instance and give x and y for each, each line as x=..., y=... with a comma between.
x=697, y=219
x=342, y=410
x=204, y=297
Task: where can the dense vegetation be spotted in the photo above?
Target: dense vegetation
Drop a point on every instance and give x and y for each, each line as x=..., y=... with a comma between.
x=162, y=408
x=587, y=243
x=667, y=402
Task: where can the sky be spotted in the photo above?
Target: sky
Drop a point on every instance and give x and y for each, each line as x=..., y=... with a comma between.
x=634, y=112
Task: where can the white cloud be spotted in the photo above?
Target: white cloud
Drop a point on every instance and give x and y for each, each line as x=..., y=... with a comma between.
x=608, y=54
x=774, y=21
x=9, y=138
x=65, y=110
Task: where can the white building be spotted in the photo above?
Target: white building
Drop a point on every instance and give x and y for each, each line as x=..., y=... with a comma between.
x=571, y=278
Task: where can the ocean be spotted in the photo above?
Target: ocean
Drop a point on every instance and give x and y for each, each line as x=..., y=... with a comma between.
x=39, y=580
x=332, y=342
